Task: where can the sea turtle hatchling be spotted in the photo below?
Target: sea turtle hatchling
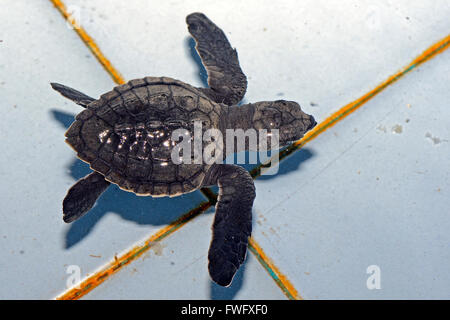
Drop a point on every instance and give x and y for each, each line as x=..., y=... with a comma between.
x=126, y=137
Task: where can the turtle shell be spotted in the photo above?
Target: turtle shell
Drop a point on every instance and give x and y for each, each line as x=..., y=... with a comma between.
x=126, y=135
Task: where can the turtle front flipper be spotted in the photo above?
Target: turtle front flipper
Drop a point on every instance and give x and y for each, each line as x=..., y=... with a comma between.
x=72, y=94
x=232, y=223
x=227, y=81
x=82, y=195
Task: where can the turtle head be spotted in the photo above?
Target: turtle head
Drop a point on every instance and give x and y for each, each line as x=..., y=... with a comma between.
x=285, y=116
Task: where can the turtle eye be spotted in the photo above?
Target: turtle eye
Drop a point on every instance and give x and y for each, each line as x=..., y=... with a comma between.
x=276, y=121
x=271, y=118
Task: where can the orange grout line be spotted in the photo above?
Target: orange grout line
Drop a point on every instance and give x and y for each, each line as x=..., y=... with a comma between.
x=280, y=279
x=90, y=43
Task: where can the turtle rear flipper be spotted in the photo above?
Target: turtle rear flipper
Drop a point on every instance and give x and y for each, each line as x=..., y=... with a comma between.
x=227, y=81
x=72, y=94
x=232, y=223
x=82, y=195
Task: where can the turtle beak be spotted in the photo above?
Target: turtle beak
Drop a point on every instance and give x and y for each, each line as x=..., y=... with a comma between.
x=312, y=124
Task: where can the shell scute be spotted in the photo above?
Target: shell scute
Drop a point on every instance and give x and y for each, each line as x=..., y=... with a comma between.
x=136, y=168
x=137, y=83
x=160, y=190
x=101, y=166
x=84, y=115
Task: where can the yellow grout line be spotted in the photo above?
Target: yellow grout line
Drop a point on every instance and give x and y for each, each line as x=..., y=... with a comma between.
x=285, y=285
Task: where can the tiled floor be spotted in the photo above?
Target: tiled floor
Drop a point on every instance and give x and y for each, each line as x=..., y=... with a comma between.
x=372, y=190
